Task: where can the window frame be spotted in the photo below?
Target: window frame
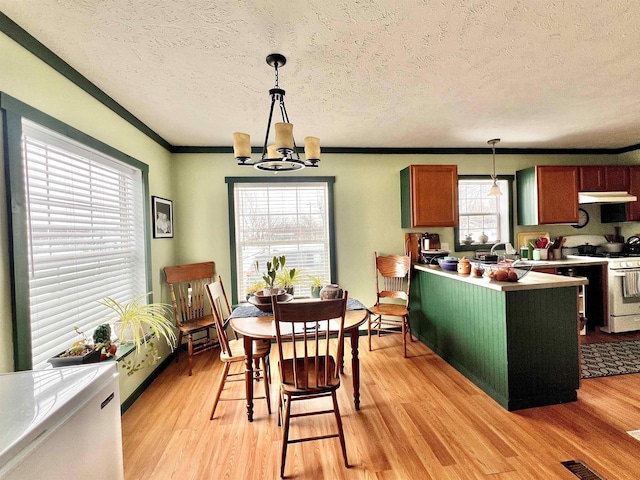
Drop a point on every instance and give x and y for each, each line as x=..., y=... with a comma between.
x=461, y=247
x=13, y=111
x=231, y=181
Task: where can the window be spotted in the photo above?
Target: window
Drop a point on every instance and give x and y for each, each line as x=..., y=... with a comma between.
x=481, y=215
x=291, y=217
x=84, y=230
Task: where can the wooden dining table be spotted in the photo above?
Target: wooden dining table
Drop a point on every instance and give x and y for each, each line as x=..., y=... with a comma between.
x=257, y=327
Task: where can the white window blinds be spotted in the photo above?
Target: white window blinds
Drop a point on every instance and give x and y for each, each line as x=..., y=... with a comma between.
x=290, y=219
x=85, y=237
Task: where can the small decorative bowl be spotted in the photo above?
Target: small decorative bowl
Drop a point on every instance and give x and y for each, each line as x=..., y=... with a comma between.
x=266, y=307
x=448, y=265
x=261, y=298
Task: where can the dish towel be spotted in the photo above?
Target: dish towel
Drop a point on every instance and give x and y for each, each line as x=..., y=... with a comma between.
x=631, y=284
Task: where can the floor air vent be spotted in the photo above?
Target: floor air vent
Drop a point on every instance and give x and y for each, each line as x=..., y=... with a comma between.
x=580, y=470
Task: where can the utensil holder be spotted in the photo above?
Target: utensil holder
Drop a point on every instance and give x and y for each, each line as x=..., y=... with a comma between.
x=540, y=254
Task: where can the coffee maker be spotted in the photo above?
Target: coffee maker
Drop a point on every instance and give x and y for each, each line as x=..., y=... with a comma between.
x=430, y=248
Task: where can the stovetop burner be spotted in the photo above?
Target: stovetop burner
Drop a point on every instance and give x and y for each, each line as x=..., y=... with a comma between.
x=615, y=260
x=607, y=255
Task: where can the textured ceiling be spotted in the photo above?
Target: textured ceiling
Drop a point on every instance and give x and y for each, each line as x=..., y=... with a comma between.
x=363, y=73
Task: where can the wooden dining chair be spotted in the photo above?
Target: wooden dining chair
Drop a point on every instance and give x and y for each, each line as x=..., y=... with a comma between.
x=390, y=314
x=232, y=351
x=186, y=286
x=308, y=371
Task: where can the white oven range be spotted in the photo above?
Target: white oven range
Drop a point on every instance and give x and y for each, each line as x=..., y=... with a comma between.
x=623, y=279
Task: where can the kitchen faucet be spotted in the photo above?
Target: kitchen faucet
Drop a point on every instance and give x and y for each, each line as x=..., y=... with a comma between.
x=508, y=248
x=493, y=248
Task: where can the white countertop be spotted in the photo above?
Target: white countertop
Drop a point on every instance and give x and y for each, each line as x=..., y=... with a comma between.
x=566, y=262
x=532, y=281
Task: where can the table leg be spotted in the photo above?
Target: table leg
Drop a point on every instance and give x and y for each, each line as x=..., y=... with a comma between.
x=248, y=374
x=355, y=367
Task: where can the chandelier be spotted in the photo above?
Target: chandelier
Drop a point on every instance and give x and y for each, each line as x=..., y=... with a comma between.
x=495, y=190
x=283, y=156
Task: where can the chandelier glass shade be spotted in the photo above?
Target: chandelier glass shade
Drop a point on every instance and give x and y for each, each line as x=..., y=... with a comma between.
x=495, y=190
x=283, y=156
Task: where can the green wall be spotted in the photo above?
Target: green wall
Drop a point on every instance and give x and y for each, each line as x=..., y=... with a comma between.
x=367, y=203
x=367, y=189
x=31, y=81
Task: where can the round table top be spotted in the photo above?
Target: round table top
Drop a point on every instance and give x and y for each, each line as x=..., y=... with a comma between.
x=263, y=327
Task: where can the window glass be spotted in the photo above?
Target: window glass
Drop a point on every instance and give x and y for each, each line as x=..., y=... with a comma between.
x=484, y=220
x=85, y=232
x=282, y=218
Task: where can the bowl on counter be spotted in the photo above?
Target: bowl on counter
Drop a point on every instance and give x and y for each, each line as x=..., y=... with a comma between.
x=449, y=264
x=507, y=273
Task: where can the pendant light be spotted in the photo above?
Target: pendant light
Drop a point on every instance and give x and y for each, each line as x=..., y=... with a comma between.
x=495, y=190
x=284, y=155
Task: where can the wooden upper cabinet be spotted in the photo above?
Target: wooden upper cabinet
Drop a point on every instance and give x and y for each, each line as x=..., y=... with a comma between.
x=547, y=194
x=616, y=178
x=592, y=178
x=633, y=208
x=604, y=178
x=429, y=196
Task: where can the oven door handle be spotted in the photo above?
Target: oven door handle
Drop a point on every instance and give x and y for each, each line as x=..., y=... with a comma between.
x=622, y=274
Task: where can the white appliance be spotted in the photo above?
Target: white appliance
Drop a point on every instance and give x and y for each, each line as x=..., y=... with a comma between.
x=624, y=295
x=623, y=274
x=61, y=423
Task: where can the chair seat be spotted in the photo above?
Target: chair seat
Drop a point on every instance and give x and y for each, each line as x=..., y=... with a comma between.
x=197, y=324
x=261, y=348
x=288, y=381
x=389, y=309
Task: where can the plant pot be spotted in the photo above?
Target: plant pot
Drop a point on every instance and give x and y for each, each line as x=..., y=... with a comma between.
x=91, y=356
x=127, y=335
x=315, y=291
x=330, y=292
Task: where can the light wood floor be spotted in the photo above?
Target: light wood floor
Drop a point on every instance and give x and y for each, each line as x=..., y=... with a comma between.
x=596, y=336
x=419, y=419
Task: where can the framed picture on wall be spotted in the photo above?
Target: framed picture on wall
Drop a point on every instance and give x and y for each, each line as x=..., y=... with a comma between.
x=162, y=217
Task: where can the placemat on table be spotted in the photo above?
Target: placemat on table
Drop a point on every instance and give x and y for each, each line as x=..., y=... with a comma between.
x=253, y=311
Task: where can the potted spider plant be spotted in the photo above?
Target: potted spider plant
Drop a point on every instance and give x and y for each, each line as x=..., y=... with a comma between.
x=316, y=285
x=255, y=287
x=287, y=278
x=135, y=320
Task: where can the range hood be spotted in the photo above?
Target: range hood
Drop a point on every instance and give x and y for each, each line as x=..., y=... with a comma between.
x=605, y=197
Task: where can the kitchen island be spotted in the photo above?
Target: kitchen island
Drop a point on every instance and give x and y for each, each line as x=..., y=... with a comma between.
x=517, y=341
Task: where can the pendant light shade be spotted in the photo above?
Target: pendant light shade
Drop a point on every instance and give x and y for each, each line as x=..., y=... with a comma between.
x=284, y=155
x=495, y=190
